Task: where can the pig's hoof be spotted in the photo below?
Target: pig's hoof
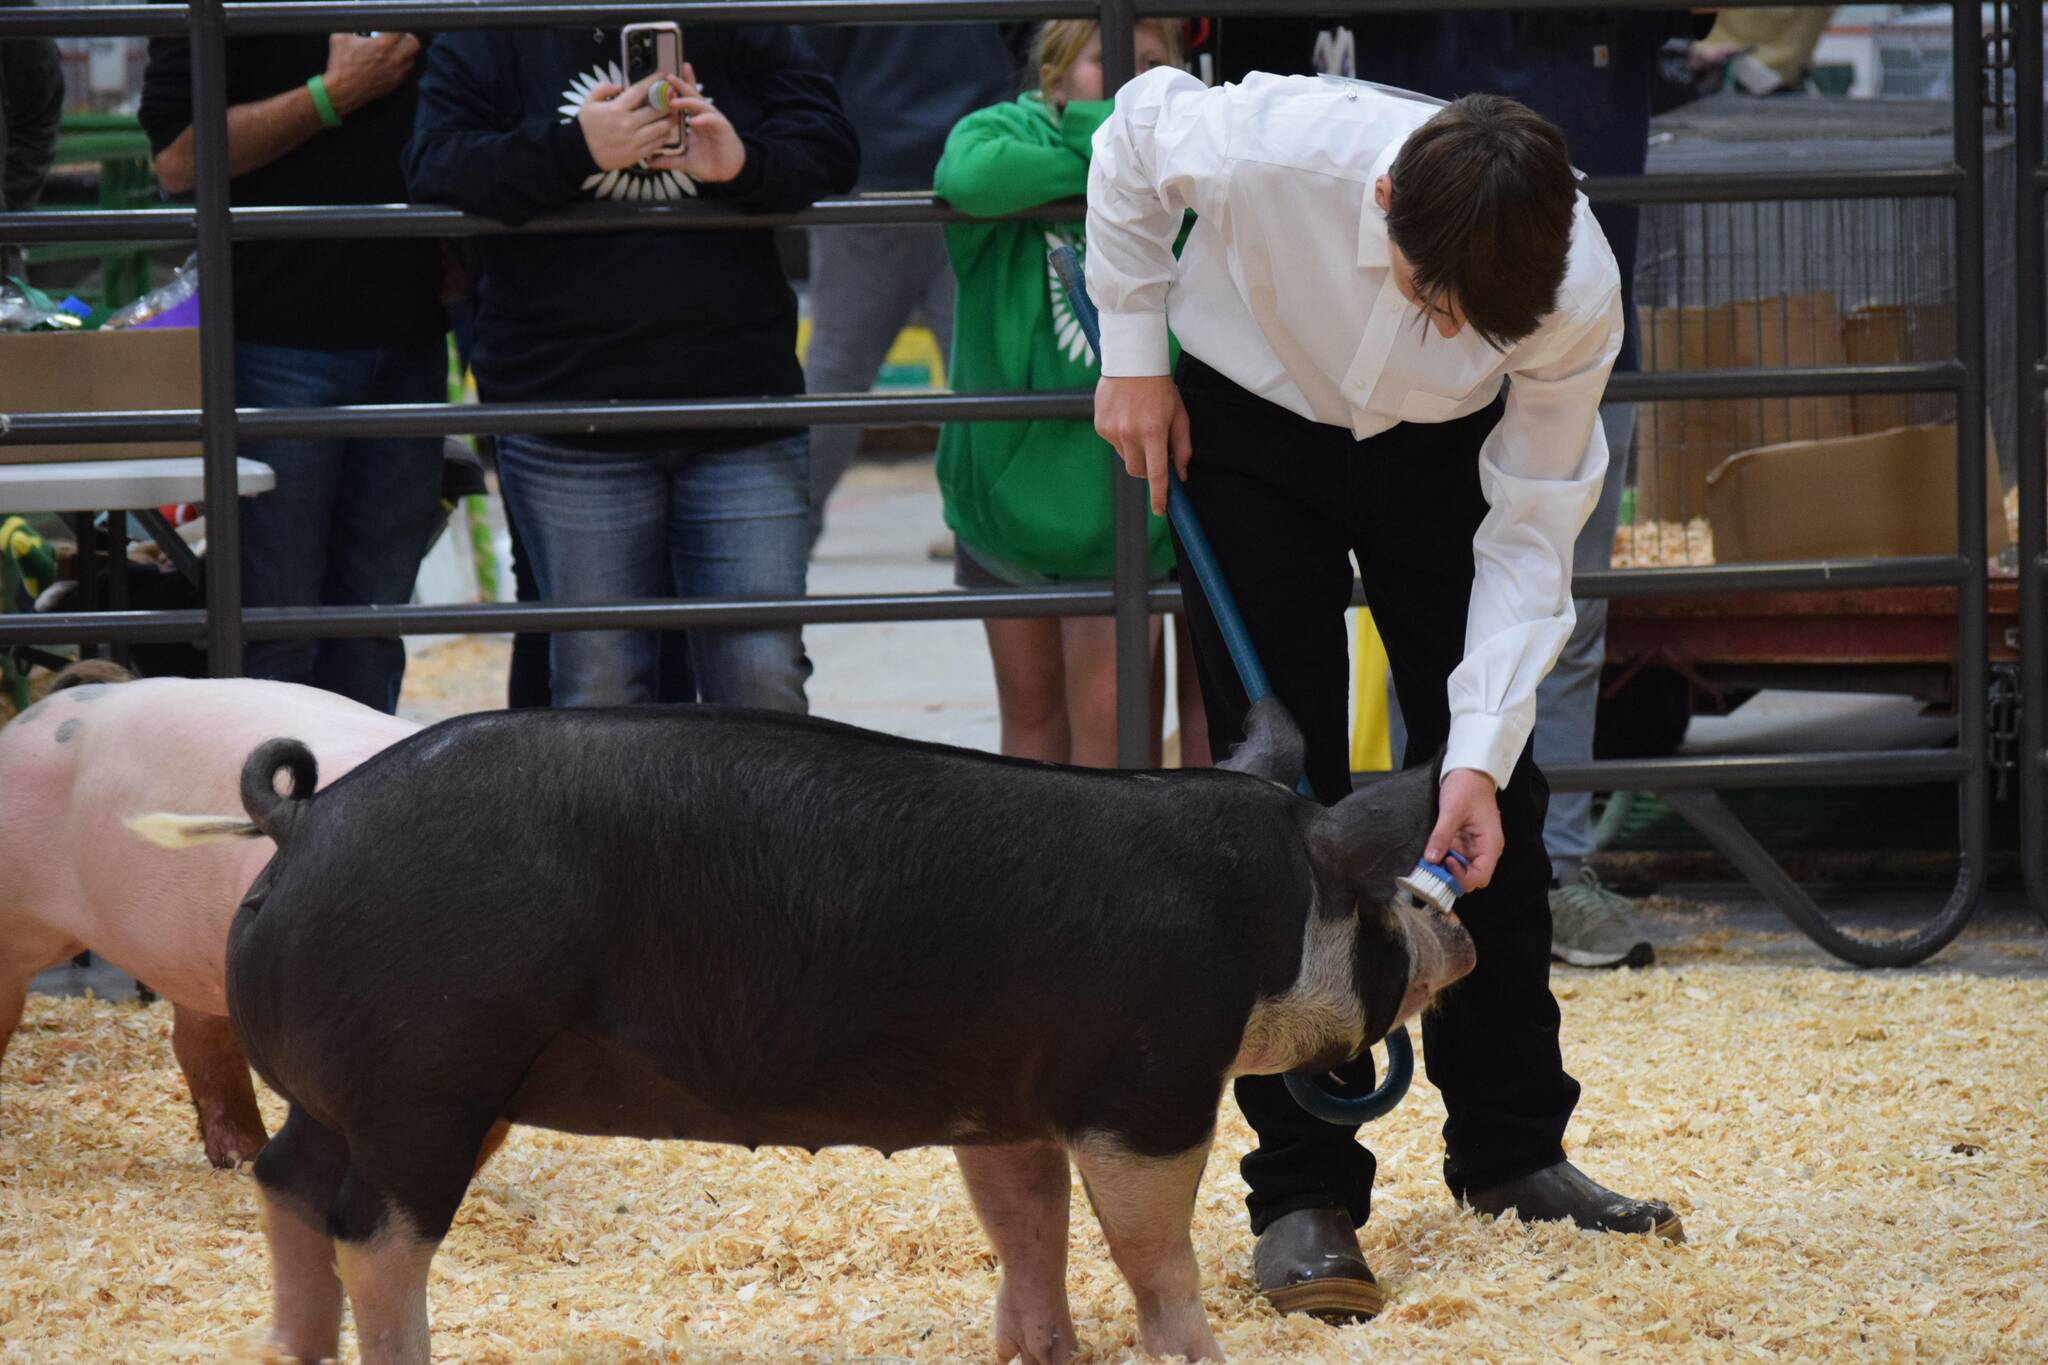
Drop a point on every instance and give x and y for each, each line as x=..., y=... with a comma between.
x=1042, y=1337
x=228, y=1147
x=1308, y=1262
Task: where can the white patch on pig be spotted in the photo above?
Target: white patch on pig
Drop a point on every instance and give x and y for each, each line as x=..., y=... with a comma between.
x=1321, y=1008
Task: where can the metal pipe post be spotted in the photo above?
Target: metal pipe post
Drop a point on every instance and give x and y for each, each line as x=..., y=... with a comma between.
x=2030, y=458
x=216, y=340
x=1129, y=501
x=1972, y=594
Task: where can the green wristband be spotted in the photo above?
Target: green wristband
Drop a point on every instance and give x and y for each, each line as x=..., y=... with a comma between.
x=321, y=104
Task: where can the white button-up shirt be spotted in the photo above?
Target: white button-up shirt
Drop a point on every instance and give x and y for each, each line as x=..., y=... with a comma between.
x=1285, y=287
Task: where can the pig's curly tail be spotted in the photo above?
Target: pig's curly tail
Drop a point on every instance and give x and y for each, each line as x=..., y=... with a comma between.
x=278, y=815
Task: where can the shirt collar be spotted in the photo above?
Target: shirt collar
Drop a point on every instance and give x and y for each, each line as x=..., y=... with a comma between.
x=1372, y=223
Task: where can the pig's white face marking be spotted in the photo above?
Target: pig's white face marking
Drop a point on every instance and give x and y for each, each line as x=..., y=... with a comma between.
x=1319, y=1010
x=1439, y=958
x=67, y=730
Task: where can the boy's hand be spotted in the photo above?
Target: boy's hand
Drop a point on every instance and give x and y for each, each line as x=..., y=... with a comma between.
x=712, y=152
x=1468, y=820
x=619, y=127
x=1146, y=423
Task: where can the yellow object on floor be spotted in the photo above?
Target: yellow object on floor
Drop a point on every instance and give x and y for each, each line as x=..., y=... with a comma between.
x=1371, y=736
x=914, y=346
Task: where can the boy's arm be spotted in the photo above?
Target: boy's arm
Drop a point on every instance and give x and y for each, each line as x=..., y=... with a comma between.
x=1541, y=470
x=1164, y=151
x=468, y=149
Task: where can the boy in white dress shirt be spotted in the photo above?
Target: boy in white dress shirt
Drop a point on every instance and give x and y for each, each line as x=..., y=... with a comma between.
x=1397, y=319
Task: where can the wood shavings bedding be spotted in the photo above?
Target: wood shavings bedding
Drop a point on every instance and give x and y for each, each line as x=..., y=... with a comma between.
x=1663, y=544
x=1861, y=1161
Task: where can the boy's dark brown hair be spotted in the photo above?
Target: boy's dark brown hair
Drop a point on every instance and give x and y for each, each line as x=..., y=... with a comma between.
x=1482, y=204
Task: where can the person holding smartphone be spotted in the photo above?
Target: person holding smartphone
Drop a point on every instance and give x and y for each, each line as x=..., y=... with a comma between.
x=515, y=125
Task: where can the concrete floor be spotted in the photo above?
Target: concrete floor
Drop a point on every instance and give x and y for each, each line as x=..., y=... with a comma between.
x=932, y=680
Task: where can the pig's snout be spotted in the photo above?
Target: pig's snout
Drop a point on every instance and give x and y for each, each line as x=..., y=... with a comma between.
x=1460, y=956
x=1440, y=951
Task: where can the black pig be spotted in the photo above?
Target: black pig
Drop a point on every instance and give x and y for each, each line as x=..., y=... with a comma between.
x=739, y=927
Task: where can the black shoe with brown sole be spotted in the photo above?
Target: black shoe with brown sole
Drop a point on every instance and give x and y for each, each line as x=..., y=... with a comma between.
x=1563, y=1191
x=1308, y=1262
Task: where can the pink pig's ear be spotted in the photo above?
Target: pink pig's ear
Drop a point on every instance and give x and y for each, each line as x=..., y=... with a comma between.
x=1379, y=831
x=1272, y=748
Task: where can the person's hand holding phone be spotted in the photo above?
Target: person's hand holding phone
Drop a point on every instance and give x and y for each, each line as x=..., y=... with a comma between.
x=712, y=150
x=620, y=127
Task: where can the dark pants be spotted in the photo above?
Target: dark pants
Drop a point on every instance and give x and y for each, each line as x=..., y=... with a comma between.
x=348, y=522
x=1286, y=503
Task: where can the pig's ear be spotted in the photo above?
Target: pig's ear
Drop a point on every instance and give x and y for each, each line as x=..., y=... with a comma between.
x=1272, y=748
x=1379, y=831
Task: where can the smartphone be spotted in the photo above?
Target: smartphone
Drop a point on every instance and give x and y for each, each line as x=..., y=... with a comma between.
x=653, y=49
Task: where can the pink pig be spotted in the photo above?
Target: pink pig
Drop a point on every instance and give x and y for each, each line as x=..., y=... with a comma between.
x=74, y=768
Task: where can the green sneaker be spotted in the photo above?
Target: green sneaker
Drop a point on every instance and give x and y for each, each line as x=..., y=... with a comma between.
x=1590, y=926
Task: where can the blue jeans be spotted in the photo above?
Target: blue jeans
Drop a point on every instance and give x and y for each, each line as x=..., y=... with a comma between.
x=348, y=522
x=606, y=526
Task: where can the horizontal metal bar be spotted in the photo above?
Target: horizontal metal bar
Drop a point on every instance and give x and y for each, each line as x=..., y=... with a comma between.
x=343, y=16
x=1942, y=376
x=283, y=623
x=271, y=223
x=1915, y=571
x=493, y=618
x=94, y=21
x=338, y=15
x=257, y=223
x=1881, y=768
x=499, y=419
x=1914, y=182
x=488, y=419
x=1254, y=9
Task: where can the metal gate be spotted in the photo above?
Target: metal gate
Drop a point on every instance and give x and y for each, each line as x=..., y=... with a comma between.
x=1689, y=785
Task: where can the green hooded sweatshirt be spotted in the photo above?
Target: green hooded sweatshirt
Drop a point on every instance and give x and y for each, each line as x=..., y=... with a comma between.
x=1031, y=500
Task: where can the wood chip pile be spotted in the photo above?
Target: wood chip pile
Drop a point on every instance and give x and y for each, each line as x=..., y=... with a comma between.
x=1861, y=1161
x=1663, y=544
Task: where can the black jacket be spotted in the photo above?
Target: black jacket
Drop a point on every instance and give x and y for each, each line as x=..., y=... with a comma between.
x=634, y=315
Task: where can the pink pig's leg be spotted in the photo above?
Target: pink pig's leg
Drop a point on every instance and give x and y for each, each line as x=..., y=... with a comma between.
x=1021, y=1193
x=1145, y=1205
x=211, y=1058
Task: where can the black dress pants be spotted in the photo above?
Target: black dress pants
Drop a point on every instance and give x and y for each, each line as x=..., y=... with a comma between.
x=1287, y=502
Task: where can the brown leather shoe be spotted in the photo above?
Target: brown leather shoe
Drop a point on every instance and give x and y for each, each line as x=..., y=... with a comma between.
x=1308, y=1261
x=1564, y=1191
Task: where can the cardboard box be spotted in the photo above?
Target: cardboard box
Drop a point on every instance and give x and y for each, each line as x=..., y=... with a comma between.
x=1679, y=443
x=98, y=372
x=1892, y=333
x=1854, y=497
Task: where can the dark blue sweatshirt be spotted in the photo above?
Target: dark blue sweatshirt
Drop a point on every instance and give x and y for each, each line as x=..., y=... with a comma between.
x=906, y=85
x=635, y=315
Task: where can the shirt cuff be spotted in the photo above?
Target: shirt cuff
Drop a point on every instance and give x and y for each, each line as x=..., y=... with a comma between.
x=1486, y=743
x=1134, y=345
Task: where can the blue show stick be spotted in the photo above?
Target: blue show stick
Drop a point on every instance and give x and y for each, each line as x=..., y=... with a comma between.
x=1201, y=561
